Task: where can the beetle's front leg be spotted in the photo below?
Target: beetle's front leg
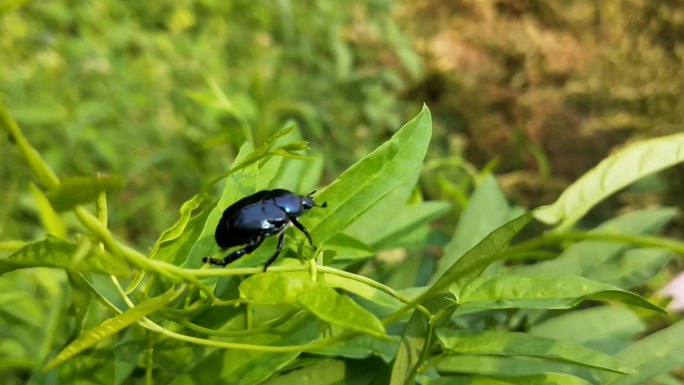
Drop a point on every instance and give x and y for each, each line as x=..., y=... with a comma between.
x=236, y=254
x=303, y=230
x=274, y=256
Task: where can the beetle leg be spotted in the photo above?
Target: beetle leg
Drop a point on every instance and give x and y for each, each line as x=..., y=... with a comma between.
x=236, y=254
x=303, y=230
x=274, y=256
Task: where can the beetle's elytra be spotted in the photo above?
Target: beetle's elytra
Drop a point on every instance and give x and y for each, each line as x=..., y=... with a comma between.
x=250, y=220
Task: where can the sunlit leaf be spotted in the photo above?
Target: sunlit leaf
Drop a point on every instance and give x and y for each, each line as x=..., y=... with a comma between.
x=624, y=167
x=275, y=288
x=535, y=379
x=339, y=310
x=371, y=178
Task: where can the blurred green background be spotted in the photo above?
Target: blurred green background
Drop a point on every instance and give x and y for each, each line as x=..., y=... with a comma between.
x=164, y=93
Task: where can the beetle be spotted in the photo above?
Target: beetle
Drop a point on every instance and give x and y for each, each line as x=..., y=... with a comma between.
x=250, y=220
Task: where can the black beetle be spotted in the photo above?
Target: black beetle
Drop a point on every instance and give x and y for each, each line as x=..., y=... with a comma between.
x=251, y=219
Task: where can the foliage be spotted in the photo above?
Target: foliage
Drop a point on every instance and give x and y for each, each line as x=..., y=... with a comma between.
x=497, y=310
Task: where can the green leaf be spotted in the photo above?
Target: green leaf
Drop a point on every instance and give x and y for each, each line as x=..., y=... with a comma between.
x=367, y=181
x=542, y=292
x=274, y=288
x=486, y=211
x=476, y=260
x=179, y=227
x=54, y=252
x=536, y=379
x=348, y=247
x=624, y=167
x=583, y=258
x=340, y=310
x=327, y=372
x=110, y=327
x=522, y=344
x=508, y=367
x=362, y=290
x=608, y=329
x=656, y=354
x=408, y=219
x=79, y=190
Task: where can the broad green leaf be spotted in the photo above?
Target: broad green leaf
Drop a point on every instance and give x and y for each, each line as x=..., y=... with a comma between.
x=583, y=258
x=110, y=327
x=274, y=288
x=486, y=211
x=655, y=354
x=542, y=292
x=79, y=190
x=476, y=260
x=498, y=365
x=624, y=167
x=51, y=221
x=536, y=379
x=339, y=310
x=367, y=181
x=374, y=220
x=522, y=344
x=608, y=329
x=407, y=219
x=178, y=228
x=54, y=252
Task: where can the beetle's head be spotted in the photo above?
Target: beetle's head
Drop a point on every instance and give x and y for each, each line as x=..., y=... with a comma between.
x=308, y=203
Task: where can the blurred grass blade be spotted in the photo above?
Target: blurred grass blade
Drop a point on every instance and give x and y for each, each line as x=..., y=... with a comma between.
x=542, y=292
x=522, y=344
x=79, y=190
x=658, y=353
x=178, y=228
x=54, y=252
x=340, y=310
x=367, y=181
x=613, y=173
x=32, y=157
x=51, y=221
x=110, y=327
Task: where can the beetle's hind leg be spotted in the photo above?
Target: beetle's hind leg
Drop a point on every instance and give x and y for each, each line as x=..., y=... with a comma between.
x=277, y=253
x=236, y=254
x=301, y=228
